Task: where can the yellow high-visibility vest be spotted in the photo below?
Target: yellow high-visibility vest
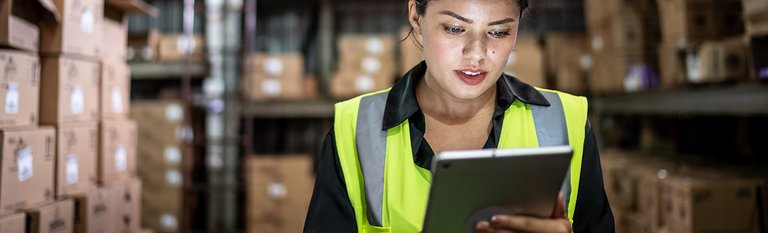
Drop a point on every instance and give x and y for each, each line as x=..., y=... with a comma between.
x=389, y=192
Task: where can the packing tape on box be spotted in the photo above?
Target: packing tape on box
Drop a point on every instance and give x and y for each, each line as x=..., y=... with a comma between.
x=12, y=98
x=71, y=169
x=24, y=163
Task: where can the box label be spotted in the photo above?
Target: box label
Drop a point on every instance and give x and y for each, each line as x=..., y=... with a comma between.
x=71, y=169
x=168, y=222
x=172, y=155
x=364, y=83
x=87, y=20
x=273, y=66
x=173, y=177
x=174, y=113
x=117, y=100
x=76, y=100
x=121, y=158
x=374, y=46
x=12, y=98
x=371, y=65
x=270, y=87
x=24, y=162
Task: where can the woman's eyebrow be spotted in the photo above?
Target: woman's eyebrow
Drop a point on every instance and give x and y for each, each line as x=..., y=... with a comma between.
x=459, y=17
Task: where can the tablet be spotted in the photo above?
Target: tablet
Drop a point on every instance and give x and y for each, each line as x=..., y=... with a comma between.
x=472, y=186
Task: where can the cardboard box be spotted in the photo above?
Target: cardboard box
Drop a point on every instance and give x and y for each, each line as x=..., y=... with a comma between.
x=93, y=211
x=19, y=24
x=126, y=197
x=526, y=62
x=689, y=22
x=287, y=182
x=19, y=88
x=79, y=31
x=753, y=7
x=672, y=66
x=14, y=223
x=567, y=60
x=76, y=152
x=757, y=24
x=55, y=217
x=69, y=90
x=347, y=84
x=274, y=76
x=114, y=40
x=160, y=221
x=177, y=47
x=115, y=90
x=144, y=46
x=27, y=168
x=162, y=189
x=160, y=123
x=369, y=54
x=711, y=204
x=719, y=61
x=117, y=151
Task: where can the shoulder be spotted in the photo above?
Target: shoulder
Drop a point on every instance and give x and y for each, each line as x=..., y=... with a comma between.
x=568, y=100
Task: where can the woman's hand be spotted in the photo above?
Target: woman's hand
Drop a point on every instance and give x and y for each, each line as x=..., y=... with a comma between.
x=512, y=223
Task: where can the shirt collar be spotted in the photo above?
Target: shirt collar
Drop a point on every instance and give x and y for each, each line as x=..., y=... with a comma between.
x=402, y=104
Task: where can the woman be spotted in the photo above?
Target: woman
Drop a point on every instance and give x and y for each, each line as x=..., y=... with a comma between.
x=373, y=173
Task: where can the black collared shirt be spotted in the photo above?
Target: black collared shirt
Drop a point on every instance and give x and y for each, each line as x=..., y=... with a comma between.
x=331, y=211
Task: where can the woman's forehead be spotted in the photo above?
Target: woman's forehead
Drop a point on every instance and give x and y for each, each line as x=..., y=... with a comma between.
x=475, y=8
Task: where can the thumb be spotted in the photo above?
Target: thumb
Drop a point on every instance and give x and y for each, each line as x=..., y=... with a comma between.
x=559, y=211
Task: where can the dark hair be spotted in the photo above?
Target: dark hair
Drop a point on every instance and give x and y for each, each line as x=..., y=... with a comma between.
x=421, y=6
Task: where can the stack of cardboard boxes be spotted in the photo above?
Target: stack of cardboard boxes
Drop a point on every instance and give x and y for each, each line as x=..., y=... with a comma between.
x=756, y=23
x=161, y=150
x=567, y=60
x=28, y=150
x=652, y=194
x=366, y=64
x=526, y=62
x=277, y=76
x=67, y=145
x=410, y=51
x=176, y=47
x=698, y=44
x=279, y=189
x=623, y=36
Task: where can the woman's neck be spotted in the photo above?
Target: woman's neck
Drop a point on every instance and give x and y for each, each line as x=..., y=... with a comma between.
x=449, y=110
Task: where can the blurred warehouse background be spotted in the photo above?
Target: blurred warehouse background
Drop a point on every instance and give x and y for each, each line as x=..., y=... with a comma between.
x=207, y=115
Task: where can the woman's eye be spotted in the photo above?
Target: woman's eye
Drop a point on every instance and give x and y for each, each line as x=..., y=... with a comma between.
x=453, y=30
x=499, y=34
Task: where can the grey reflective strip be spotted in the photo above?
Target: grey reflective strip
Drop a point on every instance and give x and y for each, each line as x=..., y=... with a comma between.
x=552, y=130
x=371, y=143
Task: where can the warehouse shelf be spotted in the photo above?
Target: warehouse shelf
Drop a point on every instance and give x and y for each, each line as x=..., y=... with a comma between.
x=167, y=70
x=737, y=100
x=293, y=109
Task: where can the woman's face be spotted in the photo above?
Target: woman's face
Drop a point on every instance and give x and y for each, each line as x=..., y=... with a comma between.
x=466, y=43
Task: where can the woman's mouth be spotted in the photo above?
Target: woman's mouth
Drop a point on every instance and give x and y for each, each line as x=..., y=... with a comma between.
x=471, y=76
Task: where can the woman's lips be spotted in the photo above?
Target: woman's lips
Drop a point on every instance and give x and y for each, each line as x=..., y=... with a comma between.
x=471, y=77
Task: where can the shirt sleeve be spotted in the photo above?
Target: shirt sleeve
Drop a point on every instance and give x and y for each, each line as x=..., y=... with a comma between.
x=593, y=212
x=330, y=209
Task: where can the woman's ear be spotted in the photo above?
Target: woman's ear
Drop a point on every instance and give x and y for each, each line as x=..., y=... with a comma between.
x=415, y=20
